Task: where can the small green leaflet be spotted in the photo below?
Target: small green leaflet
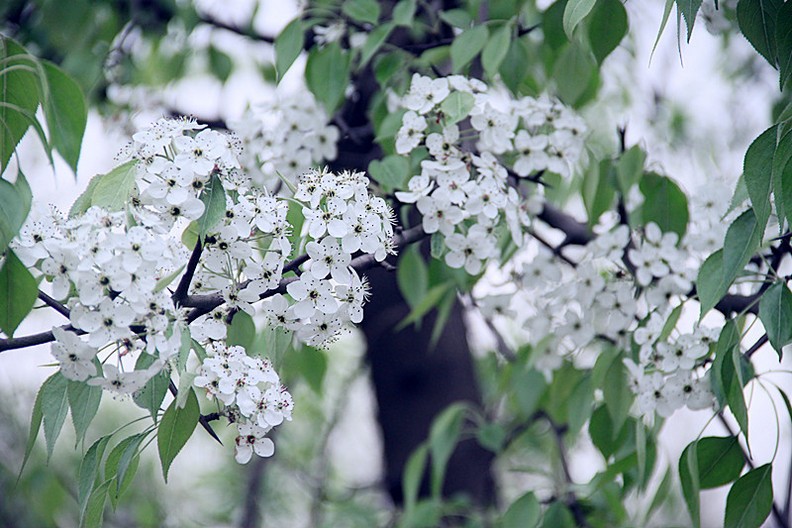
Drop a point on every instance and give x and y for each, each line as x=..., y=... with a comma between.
x=15, y=199
x=443, y=437
x=756, y=19
x=496, y=49
x=457, y=106
x=113, y=189
x=689, y=9
x=66, y=113
x=522, y=513
x=214, y=200
x=467, y=45
x=288, y=46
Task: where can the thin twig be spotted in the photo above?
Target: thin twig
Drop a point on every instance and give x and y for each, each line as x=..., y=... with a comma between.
x=55, y=305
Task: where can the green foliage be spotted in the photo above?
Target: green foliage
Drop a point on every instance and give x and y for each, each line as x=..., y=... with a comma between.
x=18, y=293
x=111, y=191
x=757, y=19
x=523, y=513
x=392, y=172
x=175, y=428
x=15, y=199
x=574, y=12
x=84, y=402
x=214, y=200
x=467, y=46
x=758, y=171
x=665, y=204
x=608, y=25
x=750, y=499
x=443, y=437
x=775, y=311
x=327, y=75
x=54, y=406
x=288, y=46
x=152, y=394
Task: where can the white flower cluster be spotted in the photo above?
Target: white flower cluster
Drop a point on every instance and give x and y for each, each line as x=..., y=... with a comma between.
x=287, y=136
x=252, y=394
x=342, y=219
x=563, y=312
x=107, y=272
x=465, y=196
x=667, y=376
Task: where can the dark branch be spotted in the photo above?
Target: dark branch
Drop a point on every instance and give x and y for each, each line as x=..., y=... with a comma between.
x=245, y=32
x=201, y=420
x=55, y=305
x=184, y=284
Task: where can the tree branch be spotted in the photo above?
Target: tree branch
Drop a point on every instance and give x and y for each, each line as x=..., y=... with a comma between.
x=248, y=33
x=203, y=420
x=183, y=289
x=55, y=305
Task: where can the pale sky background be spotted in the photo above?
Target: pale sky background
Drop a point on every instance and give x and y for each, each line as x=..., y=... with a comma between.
x=725, y=118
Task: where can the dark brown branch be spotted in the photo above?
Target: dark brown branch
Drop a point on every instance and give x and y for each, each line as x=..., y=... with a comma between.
x=55, y=305
x=183, y=289
x=756, y=346
x=34, y=339
x=245, y=32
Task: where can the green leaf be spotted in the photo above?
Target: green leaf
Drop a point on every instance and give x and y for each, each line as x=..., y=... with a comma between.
x=430, y=300
x=457, y=106
x=666, y=12
x=750, y=499
x=15, y=201
x=629, y=168
x=413, y=475
x=122, y=464
x=515, y=67
x=412, y=275
x=775, y=311
x=605, y=437
x=92, y=515
x=83, y=202
x=84, y=401
x=176, y=427
x=89, y=470
x=214, y=199
x=522, y=513
x=574, y=12
x=458, y=18
x=495, y=50
x=362, y=10
x=467, y=45
x=689, y=477
x=374, y=41
x=220, y=64
x=670, y=323
x=20, y=94
x=241, y=331
x=720, y=461
x=783, y=40
x=607, y=27
x=756, y=19
x=288, y=46
x=391, y=172
x=18, y=293
x=151, y=395
x=558, y=516
x=35, y=426
x=742, y=240
x=403, y=13
x=757, y=172
x=782, y=176
x=689, y=9
x=598, y=192
x=573, y=71
x=528, y=387
x=616, y=393
x=666, y=204
x=443, y=437
x=113, y=189
x=327, y=75
x=165, y=281
x=54, y=406
x=66, y=114
x=710, y=284
x=728, y=381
